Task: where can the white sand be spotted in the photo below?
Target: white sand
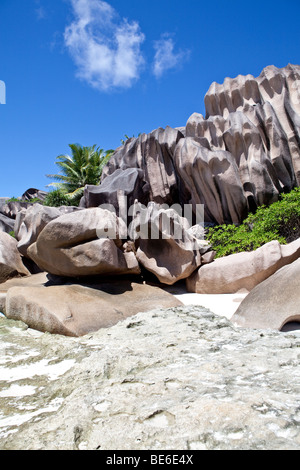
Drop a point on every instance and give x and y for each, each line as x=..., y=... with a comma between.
x=224, y=305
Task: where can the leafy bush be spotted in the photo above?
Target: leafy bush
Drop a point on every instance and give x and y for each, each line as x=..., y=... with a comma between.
x=279, y=221
x=12, y=199
x=57, y=198
x=31, y=201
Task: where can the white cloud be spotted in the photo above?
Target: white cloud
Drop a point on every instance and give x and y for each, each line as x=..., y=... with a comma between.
x=40, y=10
x=165, y=56
x=40, y=13
x=105, y=48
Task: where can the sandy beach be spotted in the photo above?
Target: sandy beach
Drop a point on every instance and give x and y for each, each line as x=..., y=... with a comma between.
x=224, y=305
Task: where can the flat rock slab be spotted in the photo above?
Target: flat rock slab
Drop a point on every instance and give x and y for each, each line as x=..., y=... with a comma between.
x=35, y=280
x=273, y=303
x=76, y=310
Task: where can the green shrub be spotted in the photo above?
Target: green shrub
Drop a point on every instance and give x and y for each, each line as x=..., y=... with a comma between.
x=279, y=221
x=13, y=199
x=31, y=201
x=57, y=198
x=35, y=200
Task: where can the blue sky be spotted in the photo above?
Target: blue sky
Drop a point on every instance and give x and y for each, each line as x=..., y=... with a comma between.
x=89, y=71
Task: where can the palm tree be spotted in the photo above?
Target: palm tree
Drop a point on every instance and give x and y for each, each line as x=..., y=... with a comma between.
x=83, y=167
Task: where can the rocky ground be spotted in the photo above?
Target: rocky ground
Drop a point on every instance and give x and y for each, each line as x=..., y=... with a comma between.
x=180, y=378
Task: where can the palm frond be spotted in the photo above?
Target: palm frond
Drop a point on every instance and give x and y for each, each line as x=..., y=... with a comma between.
x=76, y=192
x=84, y=166
x=59, y=177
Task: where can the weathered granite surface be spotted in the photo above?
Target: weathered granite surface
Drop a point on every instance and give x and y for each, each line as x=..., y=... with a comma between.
x=11, y=264
x=79, y=309
x=274, y=302
x=242, y=154
x=84, y=243
x=173, y=379
x=30, y=222
x=6, y=223
x=243, y=270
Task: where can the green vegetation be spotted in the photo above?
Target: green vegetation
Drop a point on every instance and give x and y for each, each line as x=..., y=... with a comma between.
x=83, y=167
x=32, y=201
x=123, y=141
x=57, y=198
x=13, y=199
x=279, y=221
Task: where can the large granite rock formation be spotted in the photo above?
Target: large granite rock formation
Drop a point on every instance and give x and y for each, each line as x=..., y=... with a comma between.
x=153, y=154
x=96, y=241
x=257, y=121
x=210, y=178
x=120, y=190
x=271, y=102
x=243, y=154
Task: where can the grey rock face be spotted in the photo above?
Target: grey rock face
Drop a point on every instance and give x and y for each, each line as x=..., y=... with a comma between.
x=271, y=102
x=11, y=264
x=210, y=178
x=120, y=188
x=11, y=209
x=163, y=380
x=30, y=222
x=165, y=246
x=152, y=153
x=257, y=121
x=274, y=302
x=6, y=224
x=33, y=193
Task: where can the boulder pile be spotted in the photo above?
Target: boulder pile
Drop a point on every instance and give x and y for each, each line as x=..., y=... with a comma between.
x=141, y=225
